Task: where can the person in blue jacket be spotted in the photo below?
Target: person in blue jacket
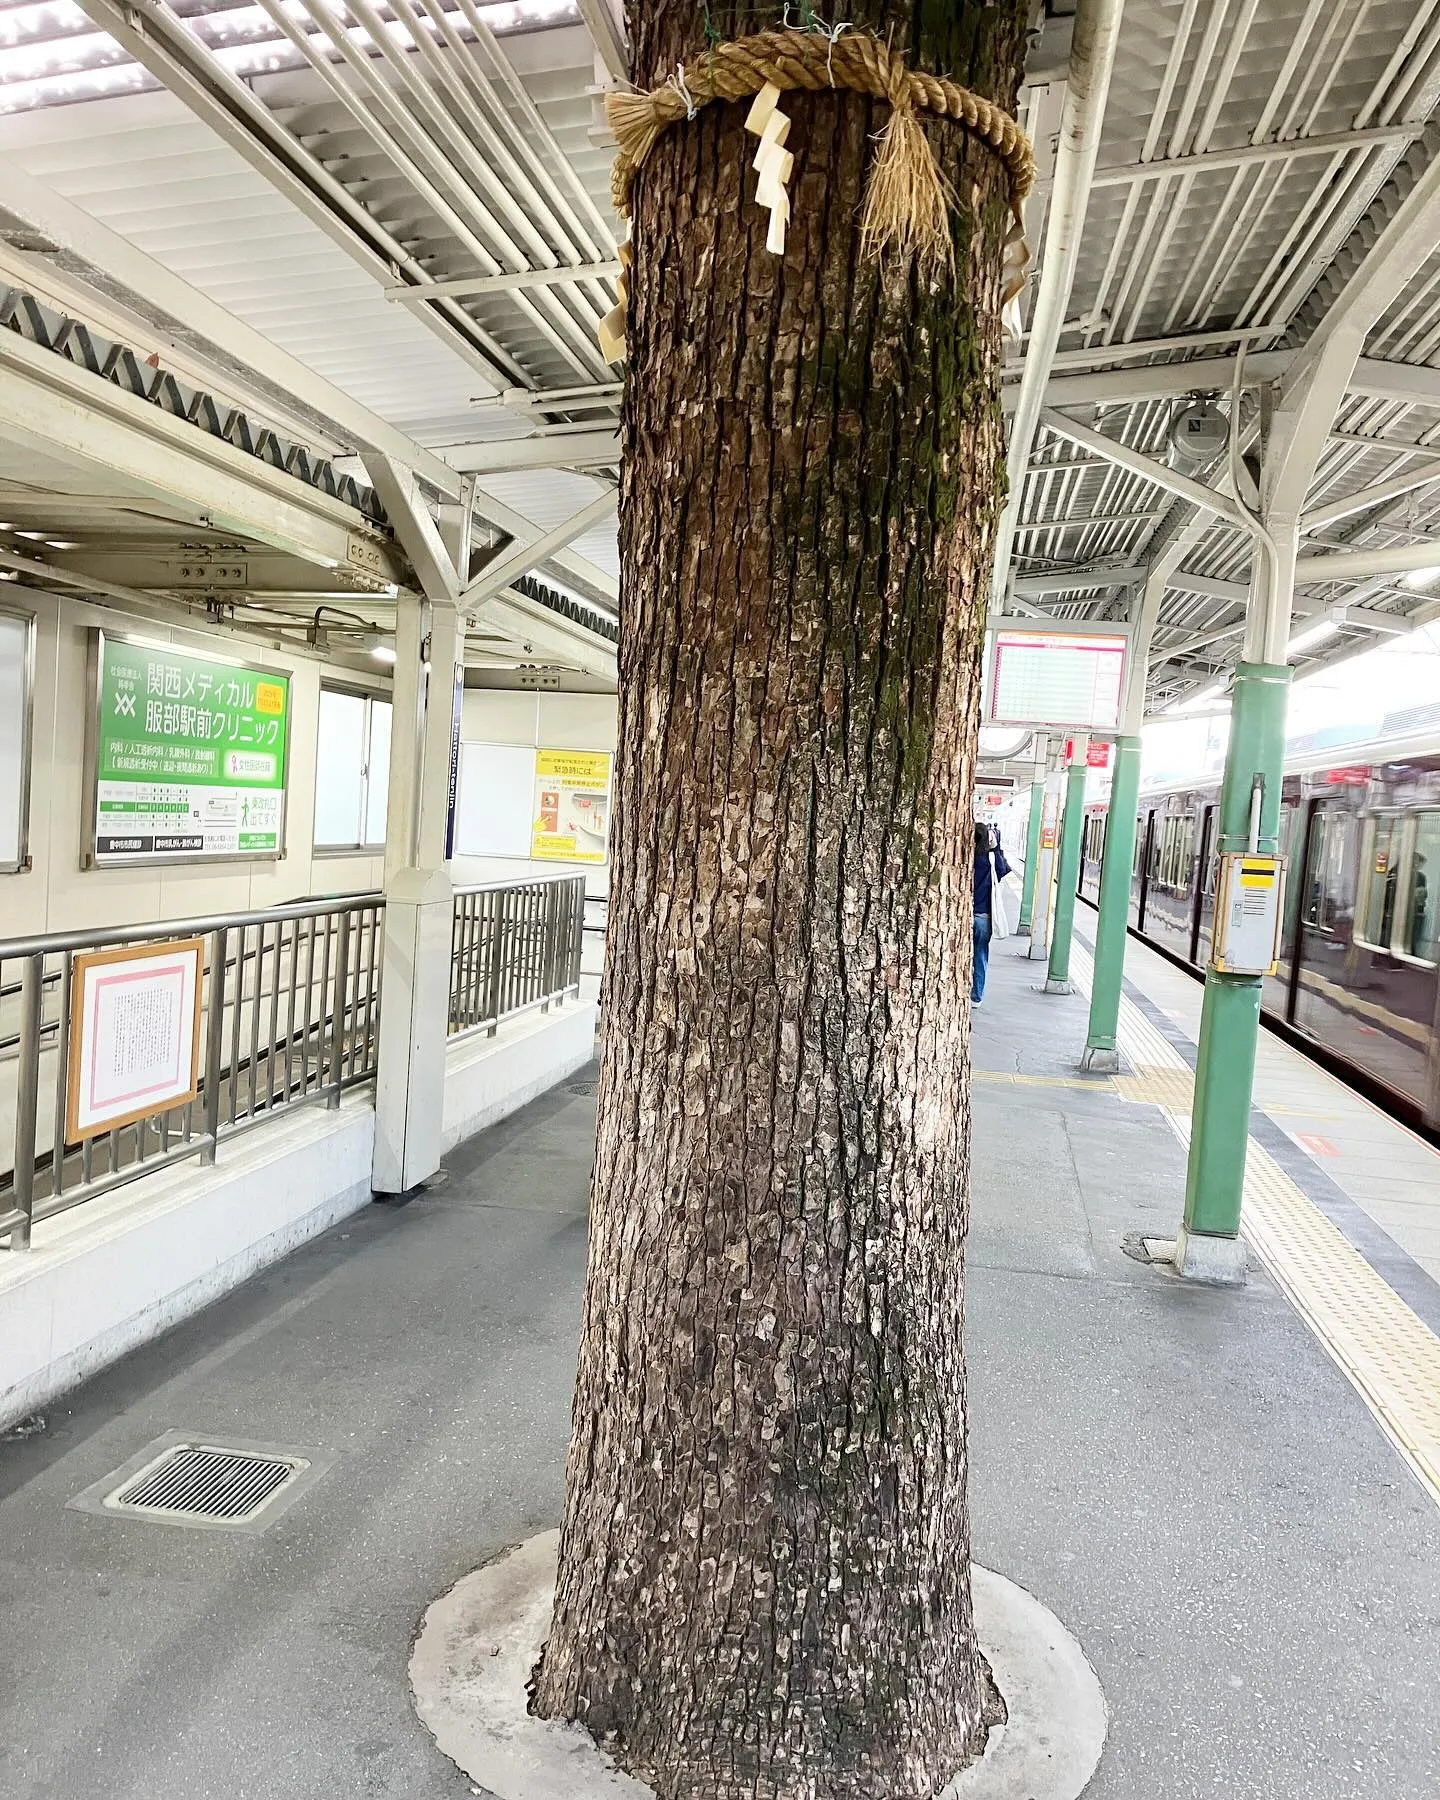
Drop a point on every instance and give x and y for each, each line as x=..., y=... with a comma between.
x=990, y=867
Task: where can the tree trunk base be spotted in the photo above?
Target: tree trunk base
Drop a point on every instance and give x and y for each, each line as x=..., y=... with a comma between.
x=471, y=1668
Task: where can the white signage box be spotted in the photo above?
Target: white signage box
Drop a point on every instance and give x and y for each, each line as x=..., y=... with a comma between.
x=1053, y=675
x=134, y=1034
x=1248, y=893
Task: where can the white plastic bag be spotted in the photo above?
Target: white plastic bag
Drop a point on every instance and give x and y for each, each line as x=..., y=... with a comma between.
x=1000, y=925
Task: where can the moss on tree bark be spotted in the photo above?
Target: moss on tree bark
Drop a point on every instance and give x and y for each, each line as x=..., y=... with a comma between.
x=764, y=1584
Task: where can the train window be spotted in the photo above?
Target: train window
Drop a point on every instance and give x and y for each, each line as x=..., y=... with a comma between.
x=1418, y=924
x=1326, y=887
x=1176, y=848
x=1380, y=878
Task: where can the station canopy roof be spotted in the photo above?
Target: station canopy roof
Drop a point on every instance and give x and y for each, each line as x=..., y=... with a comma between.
x=346, y=238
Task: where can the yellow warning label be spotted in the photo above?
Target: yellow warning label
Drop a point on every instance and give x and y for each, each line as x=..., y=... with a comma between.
x=269, y=697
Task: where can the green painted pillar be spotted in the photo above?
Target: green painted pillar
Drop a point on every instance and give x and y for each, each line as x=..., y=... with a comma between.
x=1101, y=1047
x=1067, y=877
x=1032, y=851
x=1209, y=1247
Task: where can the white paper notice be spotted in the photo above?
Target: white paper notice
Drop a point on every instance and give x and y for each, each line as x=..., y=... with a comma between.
x=134, y=1049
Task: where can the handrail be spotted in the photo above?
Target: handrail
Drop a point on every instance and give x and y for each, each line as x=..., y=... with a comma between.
x=289, y=1016
x=169, y=928
x=551, y=876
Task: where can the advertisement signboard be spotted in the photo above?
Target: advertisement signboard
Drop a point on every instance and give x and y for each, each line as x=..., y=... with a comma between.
x=189, y=756
x=572, y=806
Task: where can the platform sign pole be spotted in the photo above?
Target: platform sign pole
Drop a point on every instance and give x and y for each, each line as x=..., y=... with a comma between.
x=1043, y=903
x=1067, y=879
x=1208, y=1249
x=1032, y=849
x=1101, y=1044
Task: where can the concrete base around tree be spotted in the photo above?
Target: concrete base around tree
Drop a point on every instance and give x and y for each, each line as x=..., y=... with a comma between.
x=1181, y=1474
x=479, y=1643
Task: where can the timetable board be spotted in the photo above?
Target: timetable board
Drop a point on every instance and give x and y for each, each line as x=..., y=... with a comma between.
x=1054, y=677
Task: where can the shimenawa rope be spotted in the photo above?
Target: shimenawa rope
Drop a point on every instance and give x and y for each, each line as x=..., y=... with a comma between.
x=907, y=199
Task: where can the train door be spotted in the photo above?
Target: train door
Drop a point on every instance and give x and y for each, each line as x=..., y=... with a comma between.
x=1145, y=838
x=1202, y=926
x=1276, y=994
x=1326, y=917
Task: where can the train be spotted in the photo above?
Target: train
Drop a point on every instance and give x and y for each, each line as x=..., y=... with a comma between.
x=1358, y=976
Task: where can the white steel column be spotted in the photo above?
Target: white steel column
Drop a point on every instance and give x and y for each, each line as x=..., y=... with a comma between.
x=419, y=901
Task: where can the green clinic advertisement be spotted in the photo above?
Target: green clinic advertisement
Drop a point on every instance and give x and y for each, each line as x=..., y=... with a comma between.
x=190, y=755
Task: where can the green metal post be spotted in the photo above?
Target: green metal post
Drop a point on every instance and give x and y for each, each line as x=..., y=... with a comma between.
x=1101, y=1047
x=1067, y=877
x=1032, y=851
x=1209, y=1247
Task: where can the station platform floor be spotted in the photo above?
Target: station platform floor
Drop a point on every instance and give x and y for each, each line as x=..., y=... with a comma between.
x=1217, y=1491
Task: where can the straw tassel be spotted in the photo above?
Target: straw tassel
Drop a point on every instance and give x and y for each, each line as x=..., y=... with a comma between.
x=908, y=200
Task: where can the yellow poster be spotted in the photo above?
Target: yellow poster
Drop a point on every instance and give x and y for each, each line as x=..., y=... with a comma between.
x=572, y=805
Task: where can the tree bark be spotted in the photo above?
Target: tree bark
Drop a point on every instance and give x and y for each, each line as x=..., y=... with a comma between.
x=764, y=1567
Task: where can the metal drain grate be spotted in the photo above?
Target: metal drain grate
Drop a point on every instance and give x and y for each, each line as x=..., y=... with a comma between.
x=184, y=1479
x=202, y=1481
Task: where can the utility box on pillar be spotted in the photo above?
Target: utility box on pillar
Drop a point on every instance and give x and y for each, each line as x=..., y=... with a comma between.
x=1249, y=900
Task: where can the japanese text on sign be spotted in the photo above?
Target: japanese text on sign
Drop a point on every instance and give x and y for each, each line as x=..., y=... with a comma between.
x=190, y=756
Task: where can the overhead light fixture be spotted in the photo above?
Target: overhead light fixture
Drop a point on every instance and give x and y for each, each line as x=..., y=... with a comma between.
x=1000, y=742
x=1419, y=578
x=1206, y=697
x=1311, y=636
x=384, y=653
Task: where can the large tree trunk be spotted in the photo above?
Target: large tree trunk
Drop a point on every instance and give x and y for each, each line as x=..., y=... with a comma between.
x=764, y=1582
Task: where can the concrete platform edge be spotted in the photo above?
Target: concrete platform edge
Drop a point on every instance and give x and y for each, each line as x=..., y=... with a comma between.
x=119, y=1271
x=116, y=1272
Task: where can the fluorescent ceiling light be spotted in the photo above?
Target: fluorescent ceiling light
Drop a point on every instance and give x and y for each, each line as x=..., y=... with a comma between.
x=1419, y=578
x=1206, y=697
x=384, y=653
x=1311, y=636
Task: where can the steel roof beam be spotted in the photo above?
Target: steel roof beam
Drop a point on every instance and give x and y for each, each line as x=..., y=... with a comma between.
x=179, y=62
x=534, y=629
x=1351, y=565
x=520, y=559
x=477, y=285
x=579, y=449
x=1145, y=466
x=1092, y=58
x=1069, y=581
x=1364, y=498
x=1327, y=363
x=1247, y=155
x=1207, y=374
x=1409, y=383
x=415, y=526
x=608, y=38
x=61, y=409
x=265, y=367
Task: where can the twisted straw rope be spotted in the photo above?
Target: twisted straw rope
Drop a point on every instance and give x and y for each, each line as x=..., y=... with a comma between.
x=813, y=61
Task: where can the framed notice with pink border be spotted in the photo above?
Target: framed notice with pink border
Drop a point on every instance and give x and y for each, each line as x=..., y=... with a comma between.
x=134, y=1034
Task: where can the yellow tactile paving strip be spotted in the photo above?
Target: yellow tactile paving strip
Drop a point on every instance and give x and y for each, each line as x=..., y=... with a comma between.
x=1390, y=1355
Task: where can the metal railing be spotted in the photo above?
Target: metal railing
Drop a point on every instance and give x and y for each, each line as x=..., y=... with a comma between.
x=290, y=1014
x=513, y=946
